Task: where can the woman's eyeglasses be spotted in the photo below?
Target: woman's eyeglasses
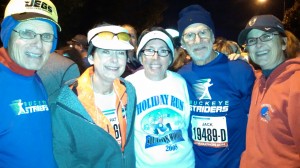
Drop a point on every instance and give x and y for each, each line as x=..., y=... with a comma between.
x=262, y=38
x=160, y=52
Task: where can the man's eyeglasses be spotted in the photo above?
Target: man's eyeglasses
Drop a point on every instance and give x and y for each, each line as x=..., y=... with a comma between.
x=262, y=38
x=203, y=34
x=29, y=34
x=106, y=35
x=160, y=52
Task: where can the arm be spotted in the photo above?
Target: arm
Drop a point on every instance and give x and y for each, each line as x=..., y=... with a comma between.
x=293, y=107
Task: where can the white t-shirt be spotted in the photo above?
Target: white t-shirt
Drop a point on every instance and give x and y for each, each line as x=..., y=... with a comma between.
x=161, y=123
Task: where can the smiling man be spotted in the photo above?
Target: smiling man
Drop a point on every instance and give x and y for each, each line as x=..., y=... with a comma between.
x=219, y=91
x=273, y=137
x=29, y=35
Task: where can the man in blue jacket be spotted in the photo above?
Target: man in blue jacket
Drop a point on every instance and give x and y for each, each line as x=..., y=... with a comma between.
x=29, y=35
x=219, y=91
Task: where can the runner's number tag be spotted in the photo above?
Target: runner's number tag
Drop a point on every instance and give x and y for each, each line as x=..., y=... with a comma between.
x=209, y=131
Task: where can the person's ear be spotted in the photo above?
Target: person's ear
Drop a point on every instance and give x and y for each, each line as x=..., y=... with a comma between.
x=91, y=59
x=284, y=43
x=140, y=57
x=183, y=44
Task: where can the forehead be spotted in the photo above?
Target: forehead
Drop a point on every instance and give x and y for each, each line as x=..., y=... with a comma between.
x=195, y=27
x=156, y=43
x=35, y=25
x=109, y=50
x=256, y=33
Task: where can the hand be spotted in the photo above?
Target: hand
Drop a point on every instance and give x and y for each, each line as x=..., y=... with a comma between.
x=234, y=56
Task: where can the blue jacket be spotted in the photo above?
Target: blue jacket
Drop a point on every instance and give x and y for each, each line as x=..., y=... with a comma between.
x=79, y=142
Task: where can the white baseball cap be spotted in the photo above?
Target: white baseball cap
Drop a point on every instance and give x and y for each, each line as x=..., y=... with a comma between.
x=23, y=10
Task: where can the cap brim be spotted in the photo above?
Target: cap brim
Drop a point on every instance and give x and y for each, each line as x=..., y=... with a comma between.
x=112, y=44
x=29, y=16
x=243, y=34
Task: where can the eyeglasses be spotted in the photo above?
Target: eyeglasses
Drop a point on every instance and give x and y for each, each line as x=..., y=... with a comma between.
x=160, y=52
x=106, y=35
x=110, y=53
x=262, y=38
x=29, y=34
x=203, y=34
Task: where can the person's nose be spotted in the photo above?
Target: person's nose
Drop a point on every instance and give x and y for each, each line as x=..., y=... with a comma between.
x=155, y=56
x=114, y=57
x=197, y=38
x=258, y=42
x=38, y=41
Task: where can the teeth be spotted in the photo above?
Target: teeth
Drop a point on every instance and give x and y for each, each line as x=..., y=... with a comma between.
x=33, y=54
x=262, y=52
x=112, y=68
x=155, y=66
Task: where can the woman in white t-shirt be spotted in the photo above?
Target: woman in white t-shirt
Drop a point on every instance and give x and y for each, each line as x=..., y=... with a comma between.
x=162, y=111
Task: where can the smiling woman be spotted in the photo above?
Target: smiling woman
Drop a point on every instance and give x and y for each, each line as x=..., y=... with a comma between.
x=99, y=107
x=273, y=123
x=161, y=138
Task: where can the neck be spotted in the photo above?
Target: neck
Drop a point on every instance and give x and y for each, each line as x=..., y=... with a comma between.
x=101, y=87
x=211, y=57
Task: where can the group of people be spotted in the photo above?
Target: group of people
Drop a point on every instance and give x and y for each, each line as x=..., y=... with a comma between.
x=212, y=112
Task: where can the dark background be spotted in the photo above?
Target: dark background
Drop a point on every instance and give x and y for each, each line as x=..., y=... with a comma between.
x=230, y=16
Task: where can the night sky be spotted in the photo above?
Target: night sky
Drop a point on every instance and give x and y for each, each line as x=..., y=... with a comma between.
x=230, y=16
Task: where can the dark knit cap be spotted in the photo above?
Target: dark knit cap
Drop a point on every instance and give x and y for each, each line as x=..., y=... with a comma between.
x=194, y=14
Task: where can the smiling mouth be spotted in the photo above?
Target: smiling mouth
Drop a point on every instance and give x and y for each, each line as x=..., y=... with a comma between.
x=199, y=49
x=155, y=66
x=112, y=68
x=34, y=55
x=261, y=53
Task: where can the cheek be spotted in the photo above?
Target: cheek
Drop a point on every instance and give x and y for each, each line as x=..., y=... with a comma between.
x=16, y=48
x=251, y=55
x=123, y=61
x=47, y=46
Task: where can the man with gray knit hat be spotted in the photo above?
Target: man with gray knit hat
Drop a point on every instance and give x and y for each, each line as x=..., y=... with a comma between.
x=29, y=35
x=273, y=136
x=219, y=91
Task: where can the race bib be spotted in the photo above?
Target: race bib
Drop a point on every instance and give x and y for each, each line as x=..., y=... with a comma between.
x=209, y=131
x=112, y=116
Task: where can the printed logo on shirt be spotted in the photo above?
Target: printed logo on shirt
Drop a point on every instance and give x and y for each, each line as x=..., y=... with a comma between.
x=205, y=102
x=265, y=112
x=21, y=108
x=163, y=126
x=201, y=89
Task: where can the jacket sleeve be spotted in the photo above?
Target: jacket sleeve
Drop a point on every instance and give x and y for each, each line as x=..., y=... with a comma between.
x=62, y=145
x=243, y=78
x=293, y=110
